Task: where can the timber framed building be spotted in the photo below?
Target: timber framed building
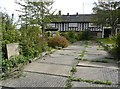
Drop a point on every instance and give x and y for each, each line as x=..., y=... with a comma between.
x=79, y=22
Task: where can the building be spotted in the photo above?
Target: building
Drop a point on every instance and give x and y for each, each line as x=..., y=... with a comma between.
x=118, y=28
x=77, y=22
x=80, y=22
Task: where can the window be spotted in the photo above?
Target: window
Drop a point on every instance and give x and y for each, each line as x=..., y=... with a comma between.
x=51, y=25
x=92, y=25
x=72, y=24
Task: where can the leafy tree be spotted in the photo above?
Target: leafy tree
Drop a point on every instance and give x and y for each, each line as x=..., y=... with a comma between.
x=9, y=32
x=36, y=13
x=30, y=42
x=107, y=14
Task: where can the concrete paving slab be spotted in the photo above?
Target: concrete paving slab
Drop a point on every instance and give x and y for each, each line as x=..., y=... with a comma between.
x=96, y=52
x=36, y=80
x=97, y=64
x=102, y=74
x=74, y=47
x=63, y=60
x=54, y=70
x=60, y=70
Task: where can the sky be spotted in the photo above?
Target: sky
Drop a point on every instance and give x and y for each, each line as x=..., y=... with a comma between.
x=66, y=6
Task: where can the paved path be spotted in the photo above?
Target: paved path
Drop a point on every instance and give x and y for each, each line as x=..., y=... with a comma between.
x=96, y=70
x=53, y=70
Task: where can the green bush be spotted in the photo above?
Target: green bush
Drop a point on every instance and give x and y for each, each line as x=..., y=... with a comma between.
x=48, y=34
x=116, y=50
x=79, y=36
x=31, y=43
x=58, y=41
x=13, y=62
x=57, y=33
x=9, y=33
x=86, y=35
x=65, y=34
x=70, y=36
x=118, y=41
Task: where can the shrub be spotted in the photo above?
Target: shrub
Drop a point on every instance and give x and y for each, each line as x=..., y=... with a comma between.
x=13, y=62
x=79, y=36
x=71, y=36
x=118, y=40
x=57, y=33
x=31, y=43
x=86, y=35
x=65, y=34
x=116, y=50
x=58, y=41
x=48, y=34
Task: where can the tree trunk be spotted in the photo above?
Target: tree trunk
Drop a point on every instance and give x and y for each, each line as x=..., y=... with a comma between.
x=113, y=31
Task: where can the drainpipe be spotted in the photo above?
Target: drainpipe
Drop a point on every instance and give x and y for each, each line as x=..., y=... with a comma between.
x=102, y=32
x=116, y=31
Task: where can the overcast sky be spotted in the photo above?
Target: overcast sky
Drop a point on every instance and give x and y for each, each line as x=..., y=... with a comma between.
x=66, y=6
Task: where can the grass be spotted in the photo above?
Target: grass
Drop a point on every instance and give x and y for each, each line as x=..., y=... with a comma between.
x=73, y=70
x=92, y=81
x=85, y=51
x=102, y=61
x=84, y=59
x=107, y=41
x=69, y=83
x=81, y=55
x=100, y=48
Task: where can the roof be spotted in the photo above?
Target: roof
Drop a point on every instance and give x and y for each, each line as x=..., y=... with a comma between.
x=73, y=18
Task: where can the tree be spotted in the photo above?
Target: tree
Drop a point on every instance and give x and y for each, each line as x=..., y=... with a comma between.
x=36, y=13
x=9, y=32
x=107, y=14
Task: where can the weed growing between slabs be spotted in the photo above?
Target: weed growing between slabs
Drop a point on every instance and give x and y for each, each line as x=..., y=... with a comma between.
x=98, y=60
x=92, y=81
x=102, y=61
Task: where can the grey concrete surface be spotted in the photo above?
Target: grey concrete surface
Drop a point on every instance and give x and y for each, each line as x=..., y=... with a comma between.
x=102, y=74
x=48, y=69
x=96, y=70
x=36, y=80
x=52, y=70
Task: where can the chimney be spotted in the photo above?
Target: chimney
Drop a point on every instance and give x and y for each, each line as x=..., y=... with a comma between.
x=67, y=13
x=59, y=12
x=77, y=13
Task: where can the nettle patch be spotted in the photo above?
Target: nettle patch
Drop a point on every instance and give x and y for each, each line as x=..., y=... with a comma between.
x=13, y=67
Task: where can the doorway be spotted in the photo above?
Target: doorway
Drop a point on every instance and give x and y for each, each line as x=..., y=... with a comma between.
x=107, y=32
